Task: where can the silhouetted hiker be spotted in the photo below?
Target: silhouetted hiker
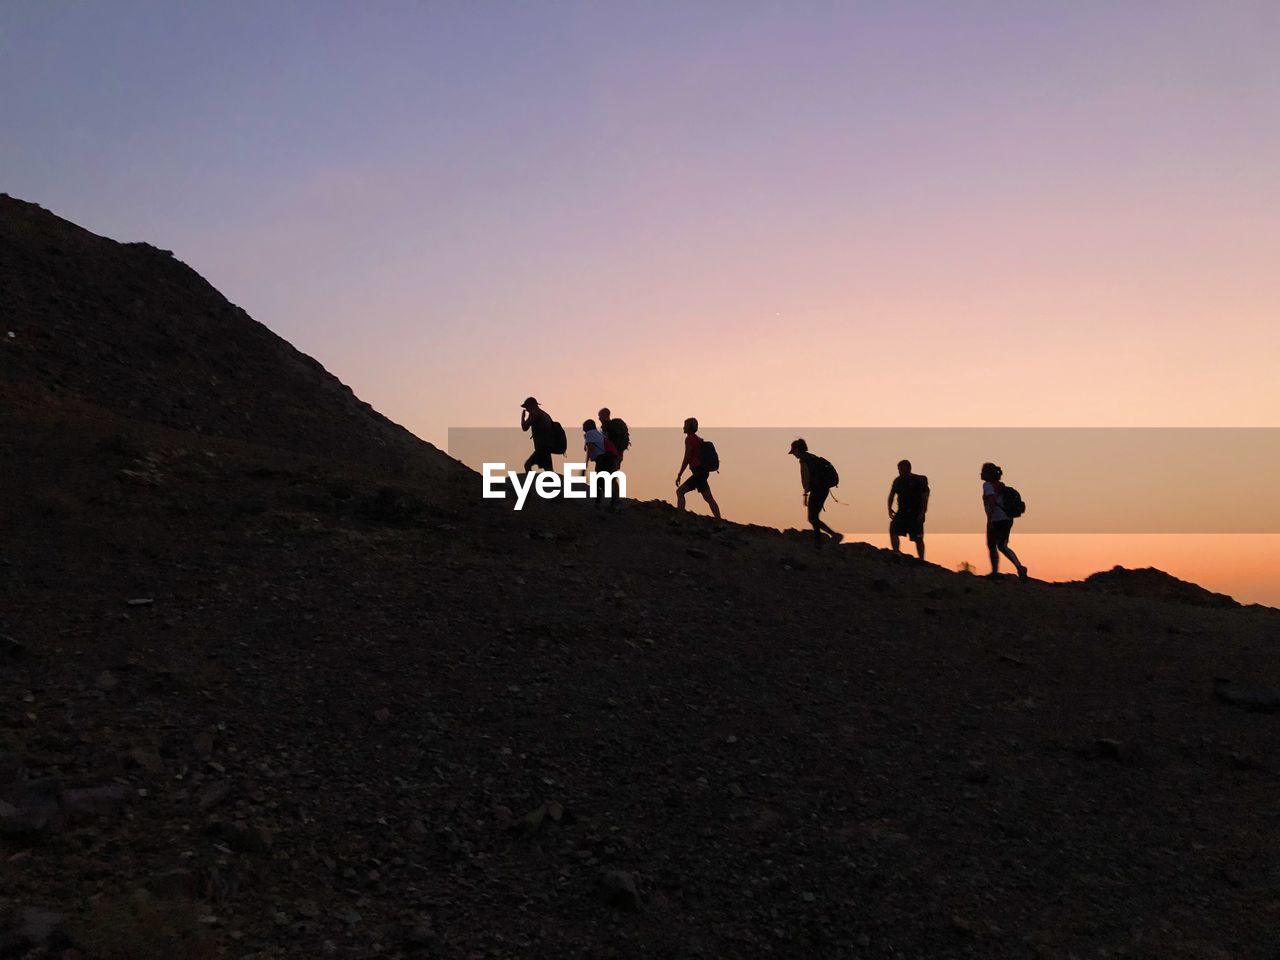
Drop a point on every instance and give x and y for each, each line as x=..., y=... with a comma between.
x=912, y=491
x=602, y=453
x=817, y=476
x=1002, y=505
x=548, y=436
x=615, y=428
x=700, y=467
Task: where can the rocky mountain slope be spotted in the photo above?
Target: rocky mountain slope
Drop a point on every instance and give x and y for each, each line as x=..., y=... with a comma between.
x=129, y=328
x=264, y=701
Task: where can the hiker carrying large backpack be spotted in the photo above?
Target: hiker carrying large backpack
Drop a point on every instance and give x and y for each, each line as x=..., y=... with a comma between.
x=700, y=457
x=1002, y=504
x=548, y=436
x=603, y=455
x=912, y=491
x=817, y=476
x=615, y=428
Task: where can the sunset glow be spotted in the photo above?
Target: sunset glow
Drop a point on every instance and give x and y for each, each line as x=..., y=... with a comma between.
x=871, y=215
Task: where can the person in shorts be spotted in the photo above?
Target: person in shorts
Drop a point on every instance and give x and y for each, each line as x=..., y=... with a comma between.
x=912, y=493
x=817, y=487
x=698, y=477
x=999, y=523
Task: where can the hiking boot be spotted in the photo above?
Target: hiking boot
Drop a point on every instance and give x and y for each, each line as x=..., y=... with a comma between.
x=1022, y=573
x=837, y=537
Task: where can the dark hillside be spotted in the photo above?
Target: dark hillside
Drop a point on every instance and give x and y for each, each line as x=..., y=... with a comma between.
x=259, y=704
x=129, y=328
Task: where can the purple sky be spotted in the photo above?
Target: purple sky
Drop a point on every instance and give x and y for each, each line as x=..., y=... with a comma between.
x=856, y=213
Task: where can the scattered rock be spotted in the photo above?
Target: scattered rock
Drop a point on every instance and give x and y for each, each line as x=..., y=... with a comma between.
x=696, y=553
x=203, y=745
x=242, y=837
x=618, y=890
x=174, y=884
x=1110, y=749
x=212, y=794
x=147, y=760
x=106, y=681
x=420, y=937
x=39, y=927
x=95, y=801
x=1252, y=698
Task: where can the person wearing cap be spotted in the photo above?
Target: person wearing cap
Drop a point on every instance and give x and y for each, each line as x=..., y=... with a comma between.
x=816, y=474
x=537, y=422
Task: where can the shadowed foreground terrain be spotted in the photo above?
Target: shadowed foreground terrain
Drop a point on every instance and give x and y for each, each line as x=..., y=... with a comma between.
x=284, y=687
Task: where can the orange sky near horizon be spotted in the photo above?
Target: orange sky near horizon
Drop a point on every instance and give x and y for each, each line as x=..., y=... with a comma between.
x=883, y=214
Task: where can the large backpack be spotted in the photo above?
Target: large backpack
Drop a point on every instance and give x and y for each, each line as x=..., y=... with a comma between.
x=1011, y=502
x=557, y=440
x=823, y=473
x=617, y=431
x=708, y=459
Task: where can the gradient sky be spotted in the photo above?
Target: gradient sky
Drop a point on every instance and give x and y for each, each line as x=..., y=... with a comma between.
x=760, y=214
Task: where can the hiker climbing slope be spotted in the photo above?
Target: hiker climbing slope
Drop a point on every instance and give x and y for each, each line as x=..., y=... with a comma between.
x=603, y=455
x=700, y=457
x=817, y=477
x=548, y=436
x=616, y=430
x=1003, y=504
x=912, y=491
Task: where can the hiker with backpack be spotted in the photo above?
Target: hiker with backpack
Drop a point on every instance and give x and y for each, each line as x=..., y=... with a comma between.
x=700, y=457
x=603, y=455
x=548, y=436
x=817, y=476
x=912, y=491
x=615, y=429
x=1003, y=504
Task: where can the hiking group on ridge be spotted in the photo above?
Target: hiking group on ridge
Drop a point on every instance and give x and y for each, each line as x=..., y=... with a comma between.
x=605, y=444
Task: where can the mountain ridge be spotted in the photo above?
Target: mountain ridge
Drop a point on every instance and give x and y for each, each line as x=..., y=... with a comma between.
x=268, y=701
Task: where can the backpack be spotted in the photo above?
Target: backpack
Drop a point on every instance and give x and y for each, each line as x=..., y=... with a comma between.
x=617, y=432
x=1011, y=502
x=708, y=459
x=823, y=473
x=557, y=440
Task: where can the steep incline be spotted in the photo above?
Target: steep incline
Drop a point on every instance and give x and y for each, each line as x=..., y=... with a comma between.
x=259, y=702
x=128, y=327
